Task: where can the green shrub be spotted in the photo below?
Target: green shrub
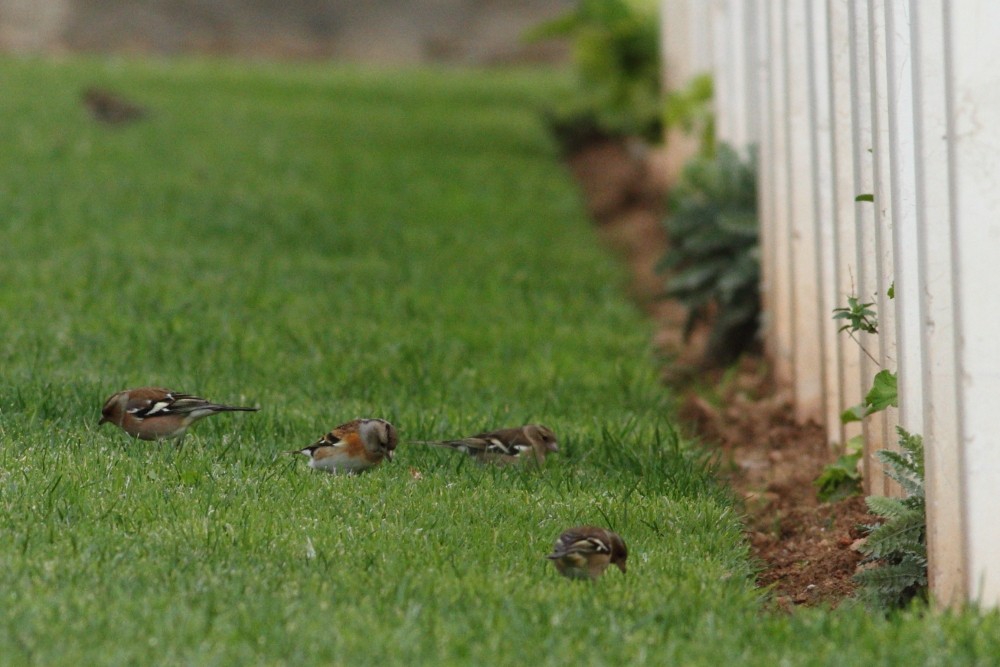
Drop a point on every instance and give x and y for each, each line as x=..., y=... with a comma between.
x=898, y=546
x=690, y=111
x=616, y=54
x=883, y=394
x=714, y=257
x=841, y=479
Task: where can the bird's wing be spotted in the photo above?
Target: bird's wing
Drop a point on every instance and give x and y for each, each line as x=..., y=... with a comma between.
x=582, y=543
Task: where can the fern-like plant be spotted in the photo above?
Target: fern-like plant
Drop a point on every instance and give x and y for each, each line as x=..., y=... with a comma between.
x=713, y=257
x=897, y=548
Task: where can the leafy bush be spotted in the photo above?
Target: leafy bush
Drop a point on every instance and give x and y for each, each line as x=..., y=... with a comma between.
x=616, y=53
x=898, y=546
x=690, y=111
x=714, y=255
x=883, y=394
x=859, y=316
x=841, y=479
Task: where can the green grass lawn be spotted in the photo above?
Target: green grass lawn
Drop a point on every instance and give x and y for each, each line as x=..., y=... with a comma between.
x=332, y=243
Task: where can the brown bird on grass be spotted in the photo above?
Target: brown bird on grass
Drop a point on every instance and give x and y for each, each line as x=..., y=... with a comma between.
x=504, y=446
x=584, y=552
x=154, y=413
x=111, y=108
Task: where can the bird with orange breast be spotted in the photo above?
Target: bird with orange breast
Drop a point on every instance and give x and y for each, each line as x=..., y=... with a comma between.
x=358, y=445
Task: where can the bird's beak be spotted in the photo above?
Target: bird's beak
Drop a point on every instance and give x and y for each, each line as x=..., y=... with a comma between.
x=104, y=420
x=621, y=566
x=388, y=454
x=553, y=447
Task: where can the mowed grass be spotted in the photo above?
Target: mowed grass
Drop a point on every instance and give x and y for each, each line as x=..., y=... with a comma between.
x=330, y=243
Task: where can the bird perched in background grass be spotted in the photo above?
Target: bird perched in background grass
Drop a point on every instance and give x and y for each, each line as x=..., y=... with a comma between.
x=111, y=108
x=352, y=447
x=584, y=552
x=504, y=446
x=154, y=413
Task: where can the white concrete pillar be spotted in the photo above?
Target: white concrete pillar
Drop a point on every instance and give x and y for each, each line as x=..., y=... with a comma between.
x=807, y=360
x=972, y=52
x=821, y=114
x=778, y=275
x=848, y=369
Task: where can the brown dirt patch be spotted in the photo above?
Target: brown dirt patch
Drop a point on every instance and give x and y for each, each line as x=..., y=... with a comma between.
x=805, y=547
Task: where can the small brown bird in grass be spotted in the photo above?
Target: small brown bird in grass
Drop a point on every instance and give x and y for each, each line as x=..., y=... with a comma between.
x=154, y=413
x=584, y=552
x=111, y=108
x=352, y=447
x=504, y=446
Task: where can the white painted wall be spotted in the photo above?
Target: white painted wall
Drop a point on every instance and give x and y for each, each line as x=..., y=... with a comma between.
x=935, y=244
x=973, y=99
x=901, y=99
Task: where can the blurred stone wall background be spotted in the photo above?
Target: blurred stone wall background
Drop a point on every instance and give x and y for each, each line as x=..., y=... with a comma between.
x=377, y=31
